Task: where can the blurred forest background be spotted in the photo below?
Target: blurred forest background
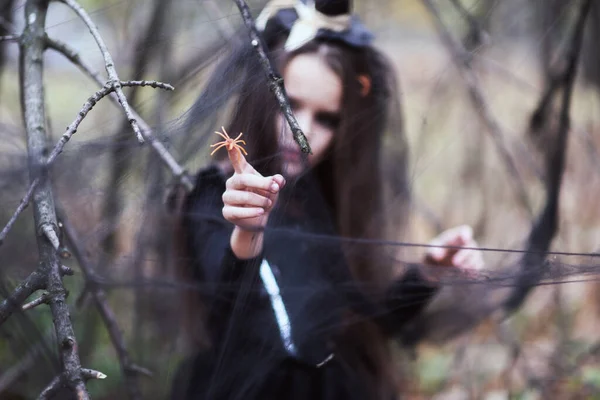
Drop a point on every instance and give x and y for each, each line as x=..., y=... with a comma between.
x=113, y=190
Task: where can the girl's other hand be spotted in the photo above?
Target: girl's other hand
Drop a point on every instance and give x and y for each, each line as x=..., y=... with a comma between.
x=468, y=259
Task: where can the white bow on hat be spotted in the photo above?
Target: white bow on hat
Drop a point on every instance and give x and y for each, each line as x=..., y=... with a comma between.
x=309, y=21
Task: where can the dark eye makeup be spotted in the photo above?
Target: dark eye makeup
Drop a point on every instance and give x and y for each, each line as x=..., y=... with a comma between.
x=330, y=120
x=293, y=103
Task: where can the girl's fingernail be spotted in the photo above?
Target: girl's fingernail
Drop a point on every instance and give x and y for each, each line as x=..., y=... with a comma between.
x=261, y=211
x=269, y=202
x=274, y=187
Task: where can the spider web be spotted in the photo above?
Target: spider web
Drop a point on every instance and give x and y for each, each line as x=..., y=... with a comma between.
x=456, y=176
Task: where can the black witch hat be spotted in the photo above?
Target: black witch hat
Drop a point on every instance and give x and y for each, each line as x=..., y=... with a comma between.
x=306, y=20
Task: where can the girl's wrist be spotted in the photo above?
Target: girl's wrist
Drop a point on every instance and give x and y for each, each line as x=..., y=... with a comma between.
x=246, y=244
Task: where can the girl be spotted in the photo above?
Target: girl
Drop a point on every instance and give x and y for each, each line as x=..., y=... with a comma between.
x=291, y=311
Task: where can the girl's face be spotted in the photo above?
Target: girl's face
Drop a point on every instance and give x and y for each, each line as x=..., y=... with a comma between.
x=315, y=94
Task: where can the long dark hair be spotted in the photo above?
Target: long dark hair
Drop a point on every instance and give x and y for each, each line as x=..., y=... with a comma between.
x=351, y=173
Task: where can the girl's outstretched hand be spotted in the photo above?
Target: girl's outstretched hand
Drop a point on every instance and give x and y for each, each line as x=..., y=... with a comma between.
x=248, y=199
x=467, y=259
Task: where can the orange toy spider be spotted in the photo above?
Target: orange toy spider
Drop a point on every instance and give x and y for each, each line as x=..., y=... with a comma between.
x=234, y=149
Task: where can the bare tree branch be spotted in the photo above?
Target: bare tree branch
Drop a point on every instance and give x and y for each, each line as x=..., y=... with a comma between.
x=9, y=38
x=87, y=107
x=462, y=59
x=50, y=233
x=113, y=78
x=22, y=206
x=43, y=299
x=59, y=382
x=539, y=116
x=53, y=387
x=12, y=303
x=553, y=62
x=73, y=56
x=177, y=170
x=64, y=270
x=275, y=81
x=49, y=274
x=71, y=130
x=130, y=370
x=458, y=308
x=540, y=237
x=32, y=100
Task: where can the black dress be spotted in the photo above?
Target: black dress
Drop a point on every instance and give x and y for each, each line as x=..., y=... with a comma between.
x=273, y=320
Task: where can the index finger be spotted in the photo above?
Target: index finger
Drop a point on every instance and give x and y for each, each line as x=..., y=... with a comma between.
x=457, y=236
x=251, y=181
x=238, y=161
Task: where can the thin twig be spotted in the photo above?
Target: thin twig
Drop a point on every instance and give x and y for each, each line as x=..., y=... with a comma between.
x=130, y=370
x=12, y=303
x=59, y=381
x=51, y=235
x=154, y=84
x=462, y=60
x=22, y=206
x=92, y=374
x=275, y=81
x=43, y=299
x=539, y=116
x=64, y=270
x=53, y=387
x=113, y=78
x=177, y=170
x=87, y=107
x=9, y=38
